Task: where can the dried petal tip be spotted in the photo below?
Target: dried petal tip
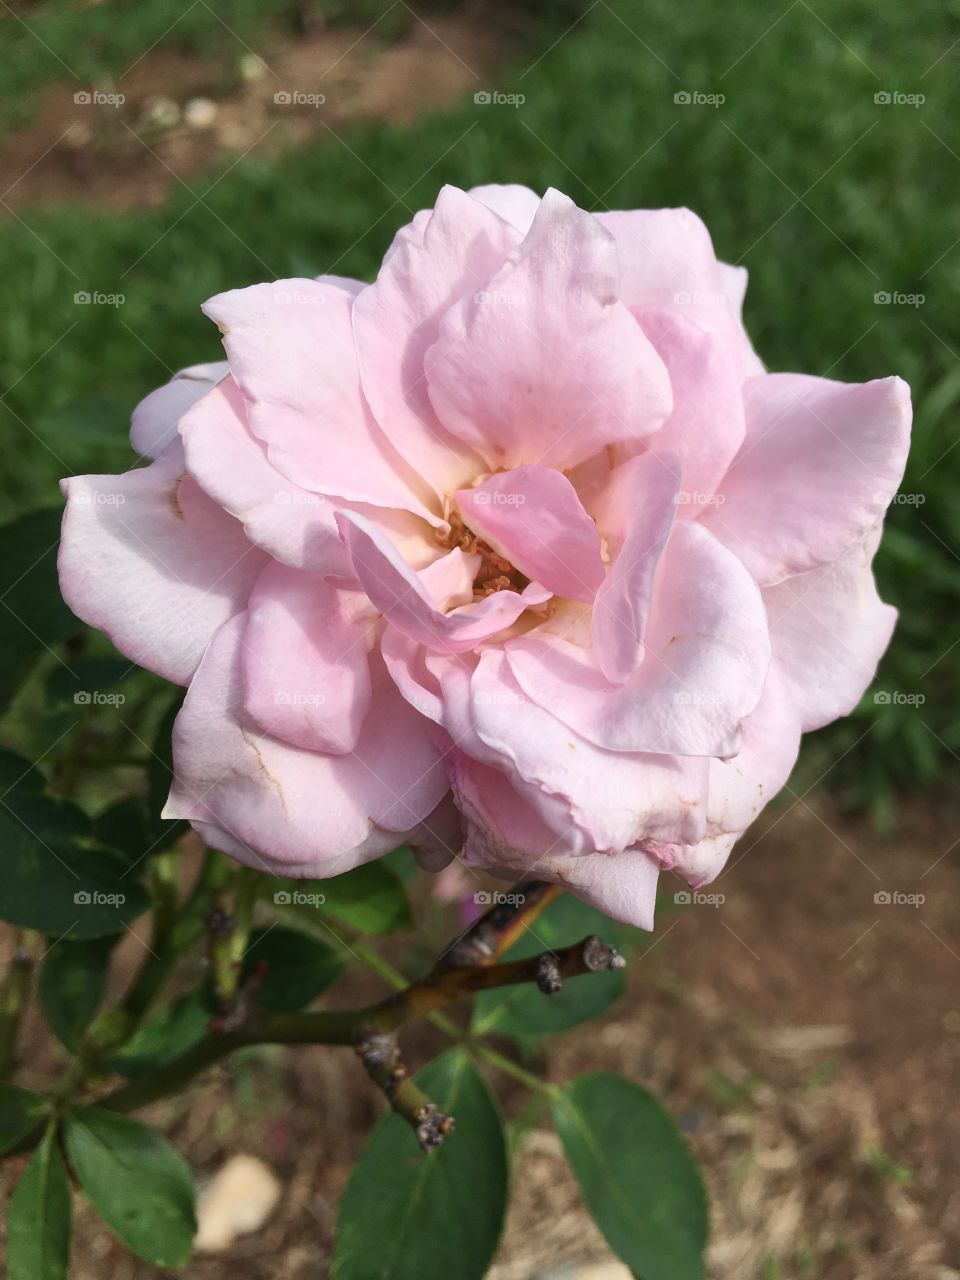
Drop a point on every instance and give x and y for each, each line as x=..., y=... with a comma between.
x=598, y=955
x=432, y=1126
x=548, y=975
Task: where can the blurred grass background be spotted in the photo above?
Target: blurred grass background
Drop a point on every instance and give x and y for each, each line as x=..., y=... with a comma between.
x=826, y=194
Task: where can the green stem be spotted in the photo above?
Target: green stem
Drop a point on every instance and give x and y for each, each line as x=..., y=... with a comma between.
x=13, y=997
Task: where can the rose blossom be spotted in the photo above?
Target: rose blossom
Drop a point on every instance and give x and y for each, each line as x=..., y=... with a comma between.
x=517, y=553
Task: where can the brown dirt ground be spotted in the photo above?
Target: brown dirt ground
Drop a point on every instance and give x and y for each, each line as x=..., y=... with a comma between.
x=122, y=156
x=806, y=1037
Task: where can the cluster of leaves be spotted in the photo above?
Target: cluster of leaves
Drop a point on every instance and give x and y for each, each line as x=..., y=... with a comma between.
x=87, y=859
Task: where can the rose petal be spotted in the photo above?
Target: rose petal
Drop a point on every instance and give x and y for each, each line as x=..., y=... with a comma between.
x=154, y=421
x=706, y=427
x=290, y=348
x=150, y=560
x=829, y=629
x=430, y=265
x=636, y=517
x=306, y=676
x=400, y=595
x=533, y=517
x=819, y=465
x=706, y=657
x=544, y=365
x=307, y=812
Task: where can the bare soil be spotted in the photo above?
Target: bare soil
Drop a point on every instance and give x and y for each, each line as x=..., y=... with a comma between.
x=181, y=116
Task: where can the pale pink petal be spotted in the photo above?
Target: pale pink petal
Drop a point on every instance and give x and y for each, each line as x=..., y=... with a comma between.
x=291, y=351
x=544, y=364
x=741, y=786
x=506, y=837
x=431, y=264
x=306, y=676
x=819, y=465
x=706, y=657
x=515, y=203
x=667, y=261
x=706, y=427
x=154, y=421
x=398, y=593
x=613, y=799
x=733, y=281
x=636, y=517
x=533, y=517
x=150, y=560
x=304, y=811
x=829, y=629
x=231, y=465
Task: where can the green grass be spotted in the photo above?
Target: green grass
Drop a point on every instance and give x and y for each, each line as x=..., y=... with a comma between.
x=826, y=196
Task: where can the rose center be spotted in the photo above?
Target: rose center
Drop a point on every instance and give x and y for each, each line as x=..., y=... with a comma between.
x=496, y=573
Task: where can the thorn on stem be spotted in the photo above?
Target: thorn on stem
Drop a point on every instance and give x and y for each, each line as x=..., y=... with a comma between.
x=432, y=1126
x=597, y=955
x=548, y=976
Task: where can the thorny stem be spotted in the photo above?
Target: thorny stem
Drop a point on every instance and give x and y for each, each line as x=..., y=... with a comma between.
x=441, y=987
x=371, y=1030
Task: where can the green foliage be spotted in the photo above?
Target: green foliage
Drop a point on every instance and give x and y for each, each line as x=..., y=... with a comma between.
x=176, y=1028
x=72, y=982
x=34, y=616
x=431, y=1216
x=296, y=968
x=140, y=1185
x=38, y=1228
x=85, y=892
x=370, y=898
x=523, y=1011
x=20, y=1112
x=637, y=1175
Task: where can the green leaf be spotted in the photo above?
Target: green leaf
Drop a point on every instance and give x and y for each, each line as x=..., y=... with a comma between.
x=88, y=678
x=123, y=828
x=20, y=1110
x=38, y=1228
x=162, y=832
x=637, y=1175
x=525, y=1010
x=167, y=1035
x=33, y=617
x=56, y=879
x=370, y=898
x=72, y=983
x=140, y=1185
x=405, y=1213
x=297, y=967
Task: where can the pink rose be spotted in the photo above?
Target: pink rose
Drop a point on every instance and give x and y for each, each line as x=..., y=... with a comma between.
x=517, y=553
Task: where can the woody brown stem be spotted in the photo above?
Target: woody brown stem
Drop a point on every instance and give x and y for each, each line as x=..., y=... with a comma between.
x=497, y=929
